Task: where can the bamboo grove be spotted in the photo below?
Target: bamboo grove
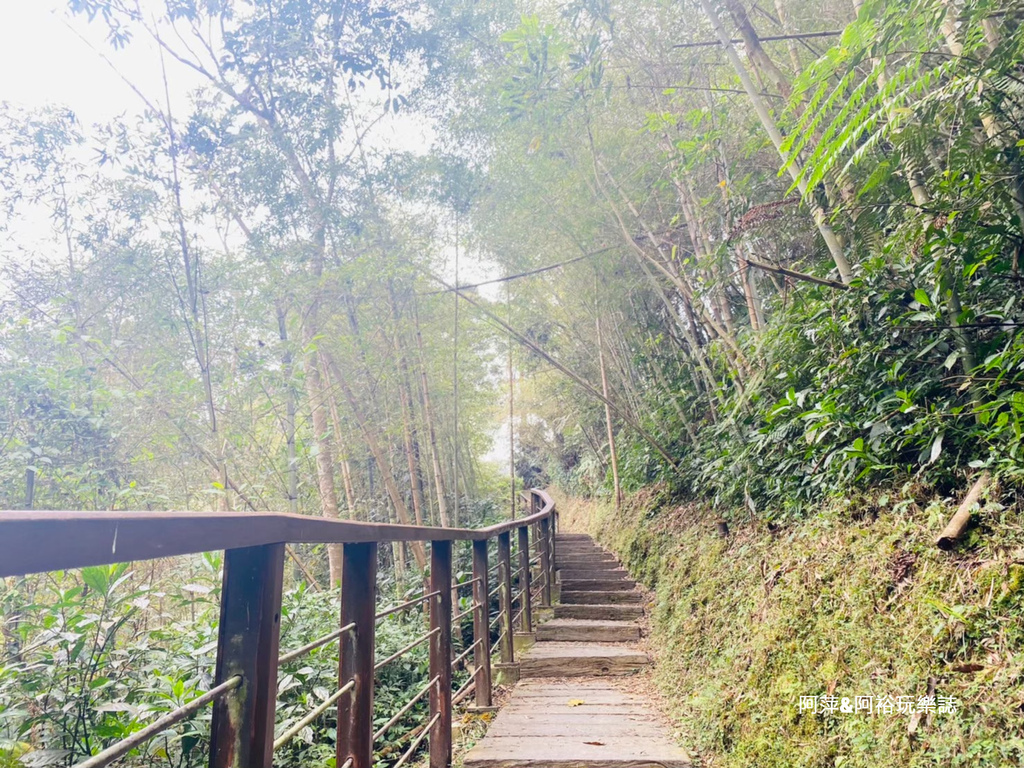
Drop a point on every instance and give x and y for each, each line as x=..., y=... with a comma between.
x=791, y=230
x=762, y=252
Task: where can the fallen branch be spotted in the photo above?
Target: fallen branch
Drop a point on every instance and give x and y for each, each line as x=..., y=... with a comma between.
x=796, y=275
x=958, y=523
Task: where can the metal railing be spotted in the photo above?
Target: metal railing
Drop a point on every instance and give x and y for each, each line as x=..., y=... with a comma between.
x=244, y=690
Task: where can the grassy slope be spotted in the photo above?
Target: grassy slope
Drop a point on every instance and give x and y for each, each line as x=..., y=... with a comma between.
x=856, y=601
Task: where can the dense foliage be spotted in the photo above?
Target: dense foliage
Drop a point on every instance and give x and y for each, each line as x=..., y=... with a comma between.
x=765, y=255
x=806, y=264
x=854, y=601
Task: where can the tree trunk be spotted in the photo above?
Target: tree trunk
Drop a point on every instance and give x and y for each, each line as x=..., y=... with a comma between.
x=408, y=414
x=379, y=455
x=428, y=416
x=608, y=419
x=795, y=168
x=289, y=418
x=322, y=438
x=760, y=60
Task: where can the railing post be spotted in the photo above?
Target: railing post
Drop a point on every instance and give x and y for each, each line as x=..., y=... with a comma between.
x=505, y=595
x=545, y=563
x=440, y=653
x=524, y=579
x=355, y=662
x=481, y=625
x=242, y=732
x=554, y=537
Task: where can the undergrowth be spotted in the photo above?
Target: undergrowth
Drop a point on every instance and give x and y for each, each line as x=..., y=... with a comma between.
x=854, y=601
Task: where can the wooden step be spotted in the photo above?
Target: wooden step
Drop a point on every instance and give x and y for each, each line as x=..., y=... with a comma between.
x=599, y=598
x=597, y=585
x=586, y=562
x=591, y=574
x=580, y=553
x=587, y=630
x=622, y=612
x=598, y=554
x=537, y=729
x=561, y=659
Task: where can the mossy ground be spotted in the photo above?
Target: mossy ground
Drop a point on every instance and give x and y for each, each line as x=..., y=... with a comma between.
x=855, y=601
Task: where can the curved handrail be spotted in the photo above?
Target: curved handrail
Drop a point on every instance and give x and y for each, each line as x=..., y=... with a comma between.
x=36, y=541
x=248, y=659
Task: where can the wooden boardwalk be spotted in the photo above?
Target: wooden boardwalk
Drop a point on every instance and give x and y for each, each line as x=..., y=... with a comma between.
x=571, y=708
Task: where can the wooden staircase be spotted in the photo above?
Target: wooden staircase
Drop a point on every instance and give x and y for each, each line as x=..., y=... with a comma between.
x=569, y=709
x=604, y=607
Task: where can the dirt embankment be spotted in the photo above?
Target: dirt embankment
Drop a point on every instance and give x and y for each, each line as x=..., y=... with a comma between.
x=854, y=602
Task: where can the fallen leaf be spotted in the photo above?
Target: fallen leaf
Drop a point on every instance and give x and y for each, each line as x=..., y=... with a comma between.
x=576, y=702
x=594, y=743
x=968, y=668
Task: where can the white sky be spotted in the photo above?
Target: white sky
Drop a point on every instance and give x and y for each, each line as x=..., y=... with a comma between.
x=48, y=56
x=44, y=60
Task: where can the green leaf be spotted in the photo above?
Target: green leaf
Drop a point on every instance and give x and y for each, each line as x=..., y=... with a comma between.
x=936, y=448
x=922, y=298
x=96, y=578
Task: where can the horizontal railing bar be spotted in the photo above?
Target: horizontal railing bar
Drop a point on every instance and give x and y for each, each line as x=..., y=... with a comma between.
x=313, y=715
x=463, y=688
x=465, y=653
x=398, y=715
x=292, y=655
x=407, y=648
x=121, y=748
x=412, y=747
x=403, y=606
x=465, y=613
x=464, y=692
x=466, y=583
x=79, y=539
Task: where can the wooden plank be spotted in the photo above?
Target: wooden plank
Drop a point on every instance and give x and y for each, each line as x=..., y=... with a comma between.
x=481, y=628
x=584, y=630
x=37, y=541
x=248, y=637
x=525, y=586
x=441, y=654
x=547, y=567
x=597, y=585
x=623, y=612
x=506, y=646
x=593, y=574
x=558, y=659
x=545, y=752
x=612, y=724
x=355, y=655
x=538, y=729
x=599, y=598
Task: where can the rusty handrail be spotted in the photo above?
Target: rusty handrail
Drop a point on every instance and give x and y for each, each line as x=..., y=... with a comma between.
x=248, y=654
x=38, y=541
